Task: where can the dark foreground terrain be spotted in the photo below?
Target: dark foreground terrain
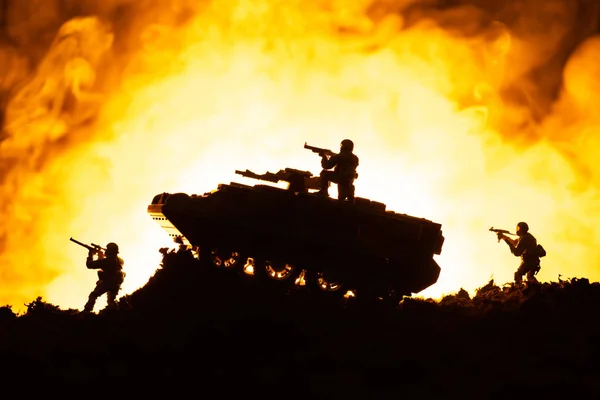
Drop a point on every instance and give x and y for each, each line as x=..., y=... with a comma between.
x=196, y=330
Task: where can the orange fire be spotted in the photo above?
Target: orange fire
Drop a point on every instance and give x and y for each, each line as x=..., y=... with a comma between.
x=189, y=93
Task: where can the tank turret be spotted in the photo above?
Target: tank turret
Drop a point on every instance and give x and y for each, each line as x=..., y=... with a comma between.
x=298, y=240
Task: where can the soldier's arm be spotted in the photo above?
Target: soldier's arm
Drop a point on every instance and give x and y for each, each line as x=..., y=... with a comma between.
x=90, y=263
x=329, y=163
x=512, y=244
x=519, y=247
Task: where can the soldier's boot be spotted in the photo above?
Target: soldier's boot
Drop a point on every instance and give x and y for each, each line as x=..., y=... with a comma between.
x=351, y=194
x=110, y=300
x=346, y=192
x=518, y=278
x=89, y=306
x=531, y=277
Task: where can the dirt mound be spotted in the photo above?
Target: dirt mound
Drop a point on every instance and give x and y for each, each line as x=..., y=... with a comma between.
x=197, y=327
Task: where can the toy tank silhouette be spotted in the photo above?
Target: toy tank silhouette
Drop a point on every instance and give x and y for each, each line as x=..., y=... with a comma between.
x=298, y=240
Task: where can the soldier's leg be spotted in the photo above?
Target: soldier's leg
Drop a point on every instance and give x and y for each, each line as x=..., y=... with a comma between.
x=326, y=177
x=111, y=296
x=518, y=277
x=89, y=305
x=346, y=191
x=531, y=277
x=343, y=191
x=324, y=183
x=531, y=274
x=519, y=274
x=98, y=291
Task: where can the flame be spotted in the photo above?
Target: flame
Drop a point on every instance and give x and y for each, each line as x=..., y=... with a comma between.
x=442, y=113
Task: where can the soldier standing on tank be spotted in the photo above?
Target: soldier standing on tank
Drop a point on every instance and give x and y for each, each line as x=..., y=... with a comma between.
x=110, y=275
x=525, y=247
x=344, y=173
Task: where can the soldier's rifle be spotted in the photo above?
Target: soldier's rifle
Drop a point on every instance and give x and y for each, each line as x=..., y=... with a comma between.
x=319, y=150
x=95, y=248
x=501, y=232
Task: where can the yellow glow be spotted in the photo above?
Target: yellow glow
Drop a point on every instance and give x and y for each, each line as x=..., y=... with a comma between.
x=300, y=280
x=243, y=85
x=279, y=272
x=248, y=268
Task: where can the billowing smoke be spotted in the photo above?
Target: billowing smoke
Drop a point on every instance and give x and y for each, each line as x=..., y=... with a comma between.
x=471, y=113
x=59, y=62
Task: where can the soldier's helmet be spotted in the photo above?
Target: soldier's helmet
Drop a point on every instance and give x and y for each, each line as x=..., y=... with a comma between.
x=523, y=227
x=347, y=144
x=112, y=248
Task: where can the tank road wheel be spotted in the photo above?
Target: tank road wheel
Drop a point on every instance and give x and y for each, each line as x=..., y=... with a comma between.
x=276, y=274
x=327, y=285
x=225, y=258
x=318, y=286
x=280, y=271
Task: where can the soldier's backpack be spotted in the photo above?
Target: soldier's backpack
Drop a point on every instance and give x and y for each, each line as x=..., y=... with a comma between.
x=541, y=251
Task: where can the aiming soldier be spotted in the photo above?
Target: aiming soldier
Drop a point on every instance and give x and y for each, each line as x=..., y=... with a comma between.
x=526, y=247
x=344, y=166
x=110, y=275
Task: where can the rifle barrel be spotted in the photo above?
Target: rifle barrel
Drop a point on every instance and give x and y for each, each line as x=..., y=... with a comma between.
x=492, y=229
x=78, y=242
x=315, y=149
x=93, y=247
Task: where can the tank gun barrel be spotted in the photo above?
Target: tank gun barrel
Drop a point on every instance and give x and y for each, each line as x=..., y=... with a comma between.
x=269, y=176
x=299, y=181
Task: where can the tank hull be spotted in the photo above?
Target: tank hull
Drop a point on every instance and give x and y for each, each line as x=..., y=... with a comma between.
x=362, y=244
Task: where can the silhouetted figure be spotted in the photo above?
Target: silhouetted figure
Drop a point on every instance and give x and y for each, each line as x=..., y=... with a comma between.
x=344, y=173
x=110, y=275
x=526, y=248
